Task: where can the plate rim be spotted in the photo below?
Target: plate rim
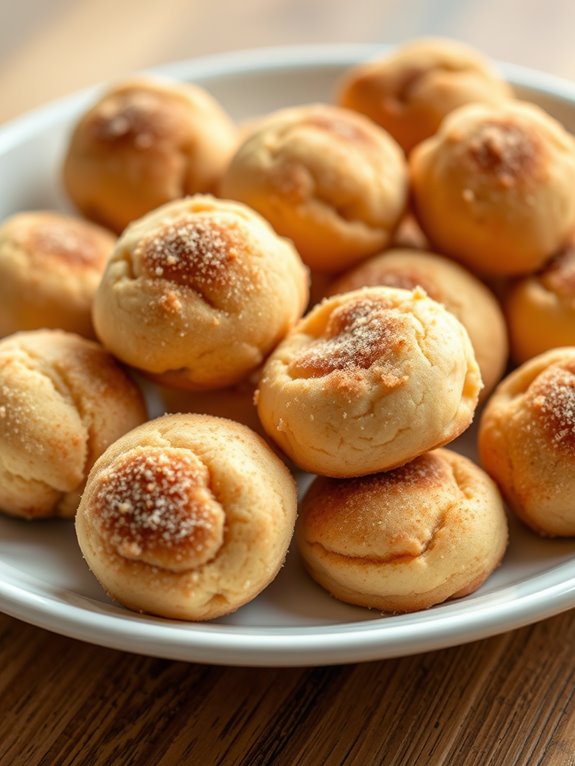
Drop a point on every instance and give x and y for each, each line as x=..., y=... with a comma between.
x=246, y=60
x=283, y=646
x=454, y=623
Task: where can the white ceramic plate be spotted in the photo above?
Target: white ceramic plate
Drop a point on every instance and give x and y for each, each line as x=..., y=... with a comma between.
x=43, y=579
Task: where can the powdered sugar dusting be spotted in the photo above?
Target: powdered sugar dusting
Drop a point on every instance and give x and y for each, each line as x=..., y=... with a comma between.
x=156, y=506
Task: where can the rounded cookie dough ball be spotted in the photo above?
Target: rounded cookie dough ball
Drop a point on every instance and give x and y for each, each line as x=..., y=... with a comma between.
x=143, y=143
x=527, y=441
x=494, y=187
x=63, y=401
x=50, y=267
x=540, y=307
x=329, y=179
x=188, y=517
x=448, y=283
x=407, y=539
x=367, y=381
x=198, y=292
x=411, y=89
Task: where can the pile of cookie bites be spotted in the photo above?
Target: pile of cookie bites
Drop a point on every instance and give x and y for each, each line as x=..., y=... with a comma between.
x=331, y=288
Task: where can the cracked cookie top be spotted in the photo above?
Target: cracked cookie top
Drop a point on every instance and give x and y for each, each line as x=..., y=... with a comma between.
x=411, y=89
x=367, y=381
x=63, y=401
x=327, y=178
x=198, y=292
x=145, y=142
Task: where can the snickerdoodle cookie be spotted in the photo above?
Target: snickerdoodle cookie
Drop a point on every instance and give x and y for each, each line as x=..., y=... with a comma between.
x=198, y=293
x=367, y=381
x=527, y=441
x=327, y=178
x=63, y=401
x=493, y=188
x=407, y=539
x=188, y=517
x=143, y=143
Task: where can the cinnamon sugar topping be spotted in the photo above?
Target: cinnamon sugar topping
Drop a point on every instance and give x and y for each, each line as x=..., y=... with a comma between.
x=134, y=117
x=70, y=241
x=427, y=470
x=411, y=78
x=357, y=334
x=156, y=506
x=197, y=252
x=504, y=151
x=553, y=400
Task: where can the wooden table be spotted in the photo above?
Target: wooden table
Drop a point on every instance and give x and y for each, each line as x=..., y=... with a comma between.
x=506, y=700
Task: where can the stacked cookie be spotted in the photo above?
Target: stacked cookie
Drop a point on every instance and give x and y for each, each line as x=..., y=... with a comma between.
x=363, y=392
x=191, y=516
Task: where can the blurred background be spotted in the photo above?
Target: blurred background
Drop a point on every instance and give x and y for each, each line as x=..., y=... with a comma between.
x=49, y=48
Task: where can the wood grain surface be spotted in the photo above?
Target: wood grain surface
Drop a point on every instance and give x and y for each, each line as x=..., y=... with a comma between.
x=506, y=701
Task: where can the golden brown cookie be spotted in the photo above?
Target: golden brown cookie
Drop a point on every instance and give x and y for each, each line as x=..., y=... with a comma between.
x=407, y=539
x=367, y=381
x=540, y=307
x=456, y=288
x=143, y=143
x=50, y=267
x=411, y=89
x=494, y=187
x=188, y=516
x=329, y=179
x=527, y=441
x=198, y=292
x=63, y=401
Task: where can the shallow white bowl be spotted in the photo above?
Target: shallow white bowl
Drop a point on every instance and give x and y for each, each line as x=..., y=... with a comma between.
x=43, y=579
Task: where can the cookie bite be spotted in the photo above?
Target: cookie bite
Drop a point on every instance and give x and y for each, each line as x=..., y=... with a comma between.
x=540, y=307
x=63, y=401
x=448, y=283
x=198, y=292
x=527, y=440
x=187, y=517
x=329, y=179
x=145, y=142
x=409, y=90
x=407, y=539
x=494, y=187
x=50, y=266
x=367, y=381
